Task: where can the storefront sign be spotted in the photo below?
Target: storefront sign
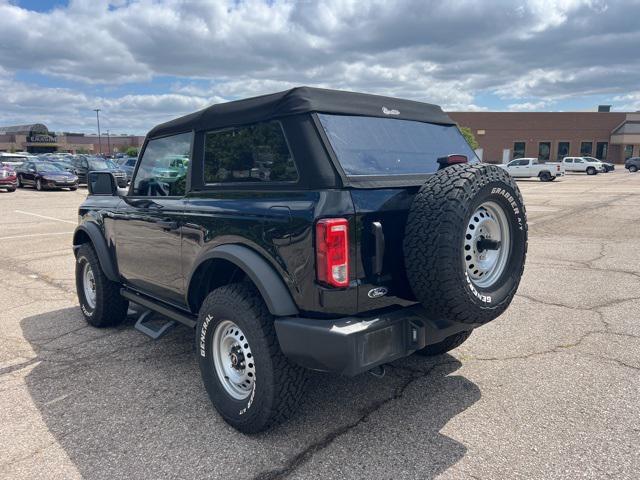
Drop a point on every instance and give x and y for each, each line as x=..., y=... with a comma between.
x=41, y=139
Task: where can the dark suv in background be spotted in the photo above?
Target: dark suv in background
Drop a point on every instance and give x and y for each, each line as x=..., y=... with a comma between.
x=83, y=164
x=632, y=164
x=307, y=229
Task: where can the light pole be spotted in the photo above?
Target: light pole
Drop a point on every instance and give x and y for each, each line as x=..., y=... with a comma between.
x=108, y=144
x=97, y=110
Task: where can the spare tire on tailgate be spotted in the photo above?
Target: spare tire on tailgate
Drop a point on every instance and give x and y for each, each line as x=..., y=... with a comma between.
x=465, y=243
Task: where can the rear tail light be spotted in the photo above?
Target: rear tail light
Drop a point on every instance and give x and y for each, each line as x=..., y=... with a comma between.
x=452, y=160
x=557, y=168
x=332, y=251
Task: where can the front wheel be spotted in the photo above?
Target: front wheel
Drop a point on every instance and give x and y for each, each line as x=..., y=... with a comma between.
x=633, y=169
x=100, y=299
x=249, y=381
x=38, y=185
x=591, y=171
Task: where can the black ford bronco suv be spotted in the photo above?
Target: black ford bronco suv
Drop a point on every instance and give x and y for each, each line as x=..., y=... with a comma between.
x=309, y=229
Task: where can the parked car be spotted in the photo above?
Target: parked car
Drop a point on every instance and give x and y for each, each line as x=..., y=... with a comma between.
x=398, y=241
x=8, y=179
x=608, y=167
x=12, y=160
x=85, y=164
x=45, y=175
x=529, y=167
x=128, y=165
x=64, y=164
x=582, y=164
x=632, y=164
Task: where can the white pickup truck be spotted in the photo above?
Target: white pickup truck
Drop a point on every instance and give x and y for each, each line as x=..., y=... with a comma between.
x=529, y=167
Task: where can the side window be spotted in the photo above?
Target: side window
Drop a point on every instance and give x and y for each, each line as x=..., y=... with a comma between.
x=513, y=163
x=163, y=167
x=257, y=153
x=524, y=163
x=578, y=160
x=568, y=160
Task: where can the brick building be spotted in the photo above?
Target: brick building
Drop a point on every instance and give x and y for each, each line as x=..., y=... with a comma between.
x=550, y=136
x=36, y=138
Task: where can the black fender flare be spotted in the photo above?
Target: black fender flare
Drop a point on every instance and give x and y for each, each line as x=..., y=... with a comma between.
x=99, y=243
x=272, y=288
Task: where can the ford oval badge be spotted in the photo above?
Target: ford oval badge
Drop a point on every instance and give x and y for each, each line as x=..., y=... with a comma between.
x=377, y=292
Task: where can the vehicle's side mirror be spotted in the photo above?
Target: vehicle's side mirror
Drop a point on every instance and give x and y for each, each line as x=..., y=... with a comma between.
x=102, y=183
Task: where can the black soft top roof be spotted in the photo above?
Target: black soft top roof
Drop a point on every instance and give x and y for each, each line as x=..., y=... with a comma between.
x=302, y=100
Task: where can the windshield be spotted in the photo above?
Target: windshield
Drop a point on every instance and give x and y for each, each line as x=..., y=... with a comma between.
x=48, y=167
x=385, y=146
x=101, y=164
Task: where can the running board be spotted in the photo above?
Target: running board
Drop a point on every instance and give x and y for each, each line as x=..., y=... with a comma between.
x=146, y=325
x=162, y=309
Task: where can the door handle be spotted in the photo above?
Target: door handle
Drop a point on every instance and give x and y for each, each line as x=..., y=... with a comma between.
x=168, y=224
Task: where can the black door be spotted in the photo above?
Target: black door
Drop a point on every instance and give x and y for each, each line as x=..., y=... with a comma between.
x=148, y=226
x=148, y=242
x=28, y=174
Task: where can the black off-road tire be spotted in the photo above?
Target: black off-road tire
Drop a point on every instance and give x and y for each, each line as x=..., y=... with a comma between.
x=591, y=171
x=110, y=307
x=545, y=177
x=448, y=344
x=278, y=386
x=434, y=244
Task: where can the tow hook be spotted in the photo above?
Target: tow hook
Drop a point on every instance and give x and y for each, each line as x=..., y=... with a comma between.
x=378, y=371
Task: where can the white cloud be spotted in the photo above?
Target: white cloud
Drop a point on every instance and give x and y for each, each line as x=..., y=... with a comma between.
x=525, y=52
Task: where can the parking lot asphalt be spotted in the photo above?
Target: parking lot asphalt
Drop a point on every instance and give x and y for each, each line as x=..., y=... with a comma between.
x=549, y=390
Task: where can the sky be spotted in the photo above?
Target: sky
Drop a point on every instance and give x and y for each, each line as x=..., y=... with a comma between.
x=145, y=62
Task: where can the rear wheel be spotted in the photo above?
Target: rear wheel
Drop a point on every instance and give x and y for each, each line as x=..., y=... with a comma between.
x=249, y=381
x=448, y=344
x=545, y=176
x=100, y=299
x=466, y=242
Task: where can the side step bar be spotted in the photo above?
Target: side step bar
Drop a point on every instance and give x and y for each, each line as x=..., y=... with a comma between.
x=162, y=309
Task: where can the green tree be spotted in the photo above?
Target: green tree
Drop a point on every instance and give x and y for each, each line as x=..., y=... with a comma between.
x=131, y=151
x=82, y=151
x=469, y=137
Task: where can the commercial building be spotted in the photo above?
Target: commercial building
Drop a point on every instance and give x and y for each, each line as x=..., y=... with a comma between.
x=550, y=136
x=36, y=138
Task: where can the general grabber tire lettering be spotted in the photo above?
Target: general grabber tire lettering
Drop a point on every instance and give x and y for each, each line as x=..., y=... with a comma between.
x=100, y=302
x=466, y=242
x=249, y=381
x=446, y=345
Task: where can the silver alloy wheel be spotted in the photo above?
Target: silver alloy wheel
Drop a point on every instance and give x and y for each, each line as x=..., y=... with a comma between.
x=38, y=184
x=89, y=285
x=233, y=360
x=487, y=244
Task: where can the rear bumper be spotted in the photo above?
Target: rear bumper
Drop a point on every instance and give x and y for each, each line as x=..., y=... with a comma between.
x=353, y=345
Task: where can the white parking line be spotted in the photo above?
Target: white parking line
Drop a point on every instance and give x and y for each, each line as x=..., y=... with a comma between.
x=35, y=235
x=44, y=216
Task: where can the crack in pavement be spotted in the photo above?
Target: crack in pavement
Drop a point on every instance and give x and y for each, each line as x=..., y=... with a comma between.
x=301, y=458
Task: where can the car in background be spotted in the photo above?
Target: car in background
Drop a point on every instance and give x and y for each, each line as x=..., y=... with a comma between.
x=8, y=179
x=632, y=164
x=608, y=167
x=581, y=164
x=45, y=175
x=529, y=167
x=85, y=164
x=128, y=164
x=12, y=160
